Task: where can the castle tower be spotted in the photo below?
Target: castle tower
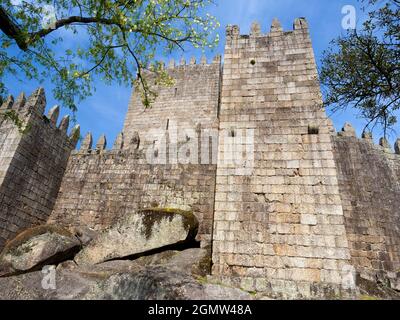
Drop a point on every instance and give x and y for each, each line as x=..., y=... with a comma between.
x=33, y=159
x=162, y=158
x=190, y=101
x=278, y=224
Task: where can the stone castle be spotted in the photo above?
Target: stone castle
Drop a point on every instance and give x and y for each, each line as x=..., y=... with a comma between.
x=293, y=208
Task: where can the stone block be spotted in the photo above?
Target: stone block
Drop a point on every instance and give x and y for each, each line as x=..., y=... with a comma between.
x=309, y=219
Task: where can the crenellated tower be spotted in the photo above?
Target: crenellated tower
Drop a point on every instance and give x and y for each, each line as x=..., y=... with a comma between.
x=278, y=221
x=190, y=102
x=33, y=159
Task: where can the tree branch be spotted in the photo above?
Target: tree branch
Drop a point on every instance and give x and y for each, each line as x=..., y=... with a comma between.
x=71, y=20
x=12, y=30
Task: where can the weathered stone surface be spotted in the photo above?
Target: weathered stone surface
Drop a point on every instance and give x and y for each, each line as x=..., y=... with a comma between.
x=64, y=124
x=276, y=26
x=194, y=261
x=84, y=234
x=101, y=143
x=140, y=232
x=395, y=284
x=159, y=283
x=384, y=143
x=53, y=115
x=36, y=247
x=20, y=102
x=255, y=29
x=371, y=289
x=69, y=285
x=102, y=270
x=117, y=282
x=75, y=135
x=278, y=210
x=397, y=146
x=372, y=221
x=348, y=131
x=8, y=103
x=87, y=142
x=119, y=142
x=367, y=135
x=32, y=166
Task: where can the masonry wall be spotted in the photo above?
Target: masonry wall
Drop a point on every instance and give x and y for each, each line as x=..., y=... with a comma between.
x=100, y=188
x=279, y=223
x=163, y=158
x=191, y=101
x=32, y=163
x=369, y=185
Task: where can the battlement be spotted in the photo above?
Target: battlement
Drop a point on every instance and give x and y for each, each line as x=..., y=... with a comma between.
x=33, y=158
x=384, y=146
x=300, y=26
x=100, y=147
x=193, y=62
x=31, y=112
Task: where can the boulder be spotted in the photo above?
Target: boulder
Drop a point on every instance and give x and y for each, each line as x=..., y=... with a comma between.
x=160, y=283
x=84, y=234
x=138, y=233
x=193, y=261
x=36, y=247
x=113, y=281
x=68, y=285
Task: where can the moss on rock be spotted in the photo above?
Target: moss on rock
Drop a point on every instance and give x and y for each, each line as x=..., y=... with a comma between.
x=155, y=215
x=24, y=236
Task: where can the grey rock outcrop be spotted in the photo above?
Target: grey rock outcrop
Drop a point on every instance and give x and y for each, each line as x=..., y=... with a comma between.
x=193, y=261
x=160, y=283
x=116, y=280
x=36, y=247
x=139, y=233
x=84, y=234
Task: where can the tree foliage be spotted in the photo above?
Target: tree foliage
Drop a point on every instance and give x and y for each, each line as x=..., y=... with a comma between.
x=73, y=42
x=362, y=68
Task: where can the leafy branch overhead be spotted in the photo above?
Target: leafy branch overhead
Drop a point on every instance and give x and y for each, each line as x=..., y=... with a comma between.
x=71, y=42
x=362, y=69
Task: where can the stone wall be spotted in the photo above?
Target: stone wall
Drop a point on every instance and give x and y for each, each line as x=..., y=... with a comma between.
x=191, y=101
x=369, y=185
x=32, y=163
x=279, y=224
x=165, y=157
x=100, y=187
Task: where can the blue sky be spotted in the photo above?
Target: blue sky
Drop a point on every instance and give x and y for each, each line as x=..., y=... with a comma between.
x=104, y=112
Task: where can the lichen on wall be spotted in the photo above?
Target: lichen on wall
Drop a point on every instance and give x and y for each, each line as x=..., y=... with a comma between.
x=369, y=186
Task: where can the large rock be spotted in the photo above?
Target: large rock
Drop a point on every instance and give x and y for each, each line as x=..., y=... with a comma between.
x=115, y=280
x=160, y=283
x=84, y=234
x=36, y=247
x=139, y=233
x=193, y=261
x=68, y=284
